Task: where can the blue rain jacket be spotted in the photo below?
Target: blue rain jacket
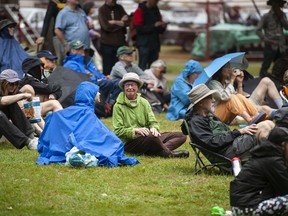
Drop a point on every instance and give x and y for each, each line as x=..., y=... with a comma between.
x=11, y=54
x=76, y=62
x=79, y=126
x=179, y=91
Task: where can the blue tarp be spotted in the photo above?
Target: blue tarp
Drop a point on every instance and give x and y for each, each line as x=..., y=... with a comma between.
x=79, y=126
x=11, y=53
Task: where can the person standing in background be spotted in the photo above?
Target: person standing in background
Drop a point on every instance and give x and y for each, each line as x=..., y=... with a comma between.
x=71, y=23
x=272, y=23
x=113, y=20
x=90, y=9
x=48, y=38
x=148, y=22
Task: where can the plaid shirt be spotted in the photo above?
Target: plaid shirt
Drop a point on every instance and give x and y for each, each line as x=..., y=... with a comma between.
x=273, y=30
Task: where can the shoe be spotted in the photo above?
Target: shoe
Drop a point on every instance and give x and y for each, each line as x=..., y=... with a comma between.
x=180, y=154
x=261, y=117
x=33, y=144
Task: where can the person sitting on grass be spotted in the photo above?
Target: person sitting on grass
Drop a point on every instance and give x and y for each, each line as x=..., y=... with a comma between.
x=49, y=61
x=14, y=124
x=47, y=93
x=78, y=126
x=231, y=103
x=180, y=88
x=261, y=187
x=161, y=89
x=135, y=124
x=33, y=69
x=77, y=61
x=126, y=65
x=211, y=133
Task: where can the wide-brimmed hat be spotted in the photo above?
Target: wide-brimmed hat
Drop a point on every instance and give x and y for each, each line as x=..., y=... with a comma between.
x=198, y=93
x=130, y=77
x=6, y=22
x=124, y=50
x=10, y=75
x=278, y=135
x=46, y=54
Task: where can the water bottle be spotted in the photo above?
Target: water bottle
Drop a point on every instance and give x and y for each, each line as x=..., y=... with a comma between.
x=236, y=164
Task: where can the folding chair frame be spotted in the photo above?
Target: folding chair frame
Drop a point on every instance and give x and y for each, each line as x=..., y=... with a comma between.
x=199, y=163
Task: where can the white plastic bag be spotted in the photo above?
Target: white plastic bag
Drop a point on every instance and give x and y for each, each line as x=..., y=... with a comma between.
x=77, y=158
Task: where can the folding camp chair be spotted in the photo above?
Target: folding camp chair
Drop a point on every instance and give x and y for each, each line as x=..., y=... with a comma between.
x=223, y=163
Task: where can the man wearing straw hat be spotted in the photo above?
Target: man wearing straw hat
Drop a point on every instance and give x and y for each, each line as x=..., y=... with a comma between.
x=208, y=131
x=135, y=124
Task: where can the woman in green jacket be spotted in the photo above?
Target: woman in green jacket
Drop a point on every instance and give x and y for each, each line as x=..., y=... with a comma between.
x=135, y=124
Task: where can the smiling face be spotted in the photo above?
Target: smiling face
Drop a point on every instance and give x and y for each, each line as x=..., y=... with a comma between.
x=131, y=89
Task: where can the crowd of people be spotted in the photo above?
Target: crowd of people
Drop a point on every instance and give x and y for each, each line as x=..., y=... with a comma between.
x=135, y=92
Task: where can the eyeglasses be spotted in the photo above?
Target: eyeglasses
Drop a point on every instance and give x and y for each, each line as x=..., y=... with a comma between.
x=129, y=54
x=126, y=85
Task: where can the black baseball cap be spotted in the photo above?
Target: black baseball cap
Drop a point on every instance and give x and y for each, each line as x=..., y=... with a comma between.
x=47, y=54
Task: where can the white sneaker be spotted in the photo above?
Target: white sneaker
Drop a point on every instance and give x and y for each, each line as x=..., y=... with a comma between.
x=33, y=144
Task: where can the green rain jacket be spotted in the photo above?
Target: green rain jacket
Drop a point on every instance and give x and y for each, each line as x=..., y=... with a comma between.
x=127, y=116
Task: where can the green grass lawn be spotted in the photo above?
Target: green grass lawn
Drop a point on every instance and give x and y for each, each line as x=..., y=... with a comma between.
x=156, y=186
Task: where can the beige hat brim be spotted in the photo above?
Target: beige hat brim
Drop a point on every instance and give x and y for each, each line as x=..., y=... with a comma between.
x=201, y=98
x=122, y=81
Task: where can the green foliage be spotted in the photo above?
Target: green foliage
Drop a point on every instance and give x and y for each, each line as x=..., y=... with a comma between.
x=156, y=186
